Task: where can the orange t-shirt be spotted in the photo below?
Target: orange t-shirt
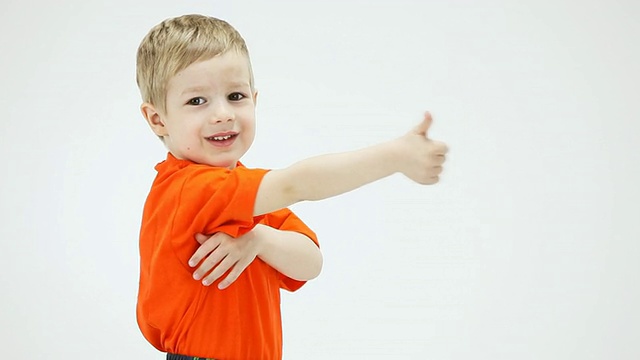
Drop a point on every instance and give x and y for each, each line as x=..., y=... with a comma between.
x=178, y=314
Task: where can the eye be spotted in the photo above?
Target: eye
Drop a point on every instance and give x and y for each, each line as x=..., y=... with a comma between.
x=236, y=96
x=196, y=101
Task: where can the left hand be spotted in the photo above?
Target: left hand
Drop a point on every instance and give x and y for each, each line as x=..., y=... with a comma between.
x=223, y=252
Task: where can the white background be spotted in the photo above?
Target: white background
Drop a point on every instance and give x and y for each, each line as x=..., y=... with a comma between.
x=527, y=249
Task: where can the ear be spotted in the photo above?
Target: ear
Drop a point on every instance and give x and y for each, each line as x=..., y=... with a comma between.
x=255, y=98
x=154, y=119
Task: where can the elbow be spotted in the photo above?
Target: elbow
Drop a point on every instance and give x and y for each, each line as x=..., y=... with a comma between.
x=317, y=266
x=313, y=267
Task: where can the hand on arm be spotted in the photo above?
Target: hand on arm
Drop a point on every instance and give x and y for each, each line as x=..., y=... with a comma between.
x=222, y=252
x=321, y=177
x=291, y=253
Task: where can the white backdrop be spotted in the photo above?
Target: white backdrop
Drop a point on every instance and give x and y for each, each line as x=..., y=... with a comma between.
x=527, y=249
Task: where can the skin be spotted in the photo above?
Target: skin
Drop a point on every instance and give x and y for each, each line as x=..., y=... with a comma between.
x=414, y=155
x=207, y=99
x=213, y=99
x=222, y=104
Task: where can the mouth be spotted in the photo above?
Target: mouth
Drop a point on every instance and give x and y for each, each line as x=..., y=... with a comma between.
x=223, y=139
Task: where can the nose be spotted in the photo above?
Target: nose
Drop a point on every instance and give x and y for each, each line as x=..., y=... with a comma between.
x=222, y=112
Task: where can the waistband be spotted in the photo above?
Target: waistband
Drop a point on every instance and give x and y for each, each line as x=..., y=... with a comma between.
x=185, y=357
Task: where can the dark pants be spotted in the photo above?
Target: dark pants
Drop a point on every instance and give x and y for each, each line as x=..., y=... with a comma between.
x=184, y=357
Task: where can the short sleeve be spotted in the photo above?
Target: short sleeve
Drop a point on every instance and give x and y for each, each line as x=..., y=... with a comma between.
x=286, y=220
x=215, y=200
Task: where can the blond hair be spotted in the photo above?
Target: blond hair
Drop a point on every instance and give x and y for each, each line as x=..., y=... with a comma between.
x=176, y=43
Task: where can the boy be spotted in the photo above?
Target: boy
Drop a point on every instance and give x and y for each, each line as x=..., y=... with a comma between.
x=196, y=82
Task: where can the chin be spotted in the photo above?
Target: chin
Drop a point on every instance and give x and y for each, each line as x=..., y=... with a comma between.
x=230, y=164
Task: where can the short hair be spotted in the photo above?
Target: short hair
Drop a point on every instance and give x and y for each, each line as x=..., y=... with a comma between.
x=178, y=42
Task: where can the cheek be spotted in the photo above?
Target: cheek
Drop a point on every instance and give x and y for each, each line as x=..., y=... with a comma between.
x=250, y=129
x=249, y=120
x=188, y=129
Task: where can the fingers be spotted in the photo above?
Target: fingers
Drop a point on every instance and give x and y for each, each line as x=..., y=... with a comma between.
x=237, y=266
x=423, y=127
x=431, y=180
x=438, y=153
x=427, y=156
x=212, y=260
x=234, y=273
x=219, y=254
x=444, y=149
x=433, y=171
x=201, y=238
x=219, y=270
x=439, y=148
x=438, y=160
x=208, y=244
x=434, y=178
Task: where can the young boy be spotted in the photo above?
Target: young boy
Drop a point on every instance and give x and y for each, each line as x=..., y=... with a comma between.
x=195, y=78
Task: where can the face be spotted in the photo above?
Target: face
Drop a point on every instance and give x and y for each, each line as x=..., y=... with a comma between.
x=210, y=111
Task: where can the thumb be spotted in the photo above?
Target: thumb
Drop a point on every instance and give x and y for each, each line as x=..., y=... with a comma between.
x=423, y=127
x=201, y=238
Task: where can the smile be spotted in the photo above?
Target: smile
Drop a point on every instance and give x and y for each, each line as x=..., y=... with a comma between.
x=220, y=138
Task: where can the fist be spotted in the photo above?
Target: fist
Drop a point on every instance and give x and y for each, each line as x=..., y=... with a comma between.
x=424, y=157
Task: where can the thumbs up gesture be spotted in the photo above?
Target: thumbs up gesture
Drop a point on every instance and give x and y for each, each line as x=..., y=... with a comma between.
x=423, y=157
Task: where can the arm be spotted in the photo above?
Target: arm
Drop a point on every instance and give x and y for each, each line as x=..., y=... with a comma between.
x=291, y=253
x=321, y=177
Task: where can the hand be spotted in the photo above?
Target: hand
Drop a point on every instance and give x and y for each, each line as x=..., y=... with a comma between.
x=223, y=252
x=424, y=157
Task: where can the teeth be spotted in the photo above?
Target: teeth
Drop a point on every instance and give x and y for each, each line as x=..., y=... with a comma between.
x=220, y=138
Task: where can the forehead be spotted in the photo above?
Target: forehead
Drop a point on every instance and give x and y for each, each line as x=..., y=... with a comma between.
x=229, y=67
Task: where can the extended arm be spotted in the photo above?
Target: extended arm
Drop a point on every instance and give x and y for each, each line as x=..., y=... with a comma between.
x=321, y=177
x=326, y=176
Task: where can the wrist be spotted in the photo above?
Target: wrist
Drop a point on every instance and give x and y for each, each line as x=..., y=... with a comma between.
x=395, y=154
x=261, y=234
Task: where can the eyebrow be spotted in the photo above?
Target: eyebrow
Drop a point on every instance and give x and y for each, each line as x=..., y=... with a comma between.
x=231, y=84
